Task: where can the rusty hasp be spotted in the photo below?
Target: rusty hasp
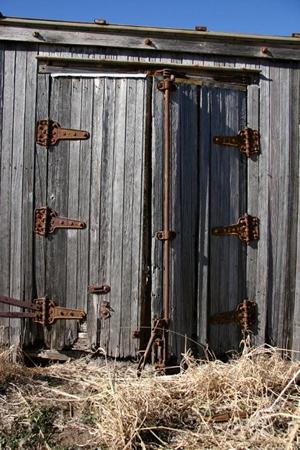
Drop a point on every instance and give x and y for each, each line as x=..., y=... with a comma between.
x=247, y=140
x=245, y=315
x=43, y=311
x=99, y=289
x=246, y=229
x=49, y=132
x=46, y=221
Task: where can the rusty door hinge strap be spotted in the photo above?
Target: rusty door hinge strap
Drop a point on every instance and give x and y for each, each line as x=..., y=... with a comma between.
x=46, y=221
x=43, y=311
x=49, y=132
x=247, y=229
x=247, y=140
x=245, y=315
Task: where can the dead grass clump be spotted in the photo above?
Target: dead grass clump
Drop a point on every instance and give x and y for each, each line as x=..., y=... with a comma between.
x=252, y=402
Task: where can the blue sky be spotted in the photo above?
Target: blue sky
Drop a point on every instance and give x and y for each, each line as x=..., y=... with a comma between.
x=281, y=17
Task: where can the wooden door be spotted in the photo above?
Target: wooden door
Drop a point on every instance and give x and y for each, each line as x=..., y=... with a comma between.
x=100, y=181
x=208, y=273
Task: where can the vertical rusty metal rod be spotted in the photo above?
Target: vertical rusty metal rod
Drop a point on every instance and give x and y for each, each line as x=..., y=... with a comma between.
x=166, y=86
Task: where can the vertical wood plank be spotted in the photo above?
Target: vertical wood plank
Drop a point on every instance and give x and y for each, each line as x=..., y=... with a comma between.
x=279, y=173
x=262, y=269
x=28, y=334
x=203, y=248
x=106, y=190
x=184, y=215
x=57, y=198
x=228, y=203
x=8, y=80
x=120, y=121
x=93, y=319
x=84, y=187
x=253, y=187
x=293, y=319
x=296, y=316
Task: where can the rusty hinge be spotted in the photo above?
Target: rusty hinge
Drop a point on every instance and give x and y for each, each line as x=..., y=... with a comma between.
x=105, y=310
x=247, y=229
x=99, y=290
x=42, y=310
x=247, y=141
x=46, y=221
x=165, y=235
x=49, y=132
x=245, y=315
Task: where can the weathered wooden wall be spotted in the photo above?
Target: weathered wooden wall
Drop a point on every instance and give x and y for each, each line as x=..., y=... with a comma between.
x=273, y=268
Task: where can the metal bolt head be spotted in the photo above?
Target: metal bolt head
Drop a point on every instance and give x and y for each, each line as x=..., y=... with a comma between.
x=200, y=28
x=100, y=22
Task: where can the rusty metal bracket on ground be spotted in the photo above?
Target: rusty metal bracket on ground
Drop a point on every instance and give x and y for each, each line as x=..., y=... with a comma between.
x=247, y=140
x=49, y=132
x=43, y=311
x=157, y=342
x=46, y=221
x=245, y=315
x=247, y=229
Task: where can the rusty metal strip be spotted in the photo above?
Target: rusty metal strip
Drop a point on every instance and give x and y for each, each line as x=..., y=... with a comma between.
x=47, y=221
x=49, y=132
x=16, y=302
x=246, y=229
x=247, y=140
x=245, y=315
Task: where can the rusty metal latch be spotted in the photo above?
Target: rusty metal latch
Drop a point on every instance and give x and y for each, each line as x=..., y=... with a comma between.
x=247, y=229
x=46, y=221
x=247, y=140
x=99, y=290
x=42, y=310
x=105, y=310
x=245, y=315
x=49, y=132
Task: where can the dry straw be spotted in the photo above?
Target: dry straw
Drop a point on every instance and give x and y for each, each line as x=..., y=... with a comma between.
x=252, y=402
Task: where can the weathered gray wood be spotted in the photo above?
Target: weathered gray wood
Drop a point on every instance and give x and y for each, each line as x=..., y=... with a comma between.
x=294, y=291
x=252, y=188
x=179, y=42
x=6, y=195
x=184, y=215
x=106, y=200
x=17, y=138
x=57, y=198
x=40, y=196
x=84, y=180
x=73, y=259
x=279, y=173
x=28, y=288
x=296, y=316
x=202, y=259
x=227, y=203
x=93, y=318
